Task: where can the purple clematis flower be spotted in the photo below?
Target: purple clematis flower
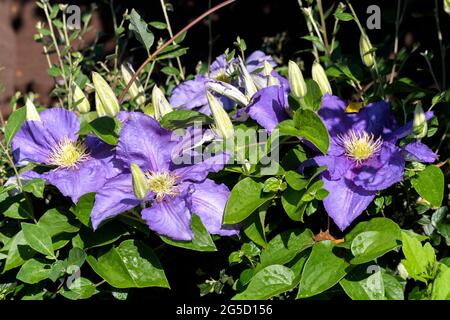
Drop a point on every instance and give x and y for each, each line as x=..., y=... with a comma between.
x=79, y=167
x=363, y=157
x=175, y=191
x=192, y=93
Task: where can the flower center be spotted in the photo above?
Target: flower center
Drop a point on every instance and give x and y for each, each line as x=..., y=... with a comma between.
x=221, y=76
x=68, y=154
x=360, y=146
x=162, y=184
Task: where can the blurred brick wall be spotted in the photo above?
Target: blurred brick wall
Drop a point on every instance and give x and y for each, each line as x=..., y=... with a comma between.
x=25, y=67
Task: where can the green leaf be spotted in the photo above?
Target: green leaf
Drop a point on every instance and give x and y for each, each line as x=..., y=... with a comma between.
x=322, y=270
x=420, y=260
x=372, y=239
x=54, y=71
x=158, y=25
x=313, y=98
x=80, y=288
x=253, y=227
x=107, y=129
x=360, y=284
x=15, y=121
x=441, y=285
x=38, y=239
x=393, y=288
x=285, y=246
x=311, y=127
x=170, y=71
x=76, y=257
x=267, y=283
x=36, y=187
x=105, y=234
x=33, y=271
x=293, y=205
x=429, y=184
x=183, y=119
x=130, y=265
x=140, y=30
x=295, y=180
x=83, y=208
x=16, y=207
x=18, y=251
x=54, y=222
x=201, y=242
x=245, y=198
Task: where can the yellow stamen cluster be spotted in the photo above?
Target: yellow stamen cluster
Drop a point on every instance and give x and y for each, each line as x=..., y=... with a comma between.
x=68, y=154
x=360, y=146
x=222, y=76
x=162, y=184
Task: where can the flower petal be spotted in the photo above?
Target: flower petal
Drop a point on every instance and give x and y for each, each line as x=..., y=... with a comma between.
x=256, y=60
x=190, y=94
x=417, y=151
x=333, y=115
x=200, y=170
x=345, y=201
x=373, y=118
x=115, y=197
x=208, y=202
x=337, y=166
x=61, y=123
x=144, y=142
x=171, y=217
x=90, y=176
x=406, y=129
x=268, y=107
x=381, y=171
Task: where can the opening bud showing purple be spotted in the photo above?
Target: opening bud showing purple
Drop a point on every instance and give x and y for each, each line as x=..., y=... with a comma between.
x=420, y=126
x=229, y=91
x=246, y=79
x=223, y=126
x=366, y=51
x=80, y=100
x=160, y=104
x=31, y=112
x=136, y=91
x=140, y=185
x=296, y=80
x=106, y=95
x=319, y=76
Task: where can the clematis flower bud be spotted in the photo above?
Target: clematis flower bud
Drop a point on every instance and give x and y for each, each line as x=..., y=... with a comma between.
x=229, y=91
x=105, y=95
x=136, y=91
x=79, y=97
x=224, y=127
x=420, y=126
x=160, y=104
x=246, y=79
x=267, y=71
x=319, y=76
x=366, y=51
x=31, y=111
x=99, y=106
x=140, y=186
x=296, y=80
x=447, y=6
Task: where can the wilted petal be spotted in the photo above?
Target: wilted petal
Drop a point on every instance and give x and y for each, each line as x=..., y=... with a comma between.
x=417, y=151
x=381, y=171
x=345, y=201
x=268, y=107
x=143, y=141
x=115, y=197
x=171, y=217
x=208, y=202
x=90, y=176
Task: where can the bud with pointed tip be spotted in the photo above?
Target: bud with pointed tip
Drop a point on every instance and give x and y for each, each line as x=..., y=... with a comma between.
x=366, y=51
x=420, y=126
x=224, y=127
x=160, y=104
x=229, y=91
x=31, y=111
x=99, y=106
x=140, y=186
x=136, y=90
x=319, y=76
x=267, y=71
x=296, y=80
x=83, y=105
x=246, y=79
x=106, y=95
